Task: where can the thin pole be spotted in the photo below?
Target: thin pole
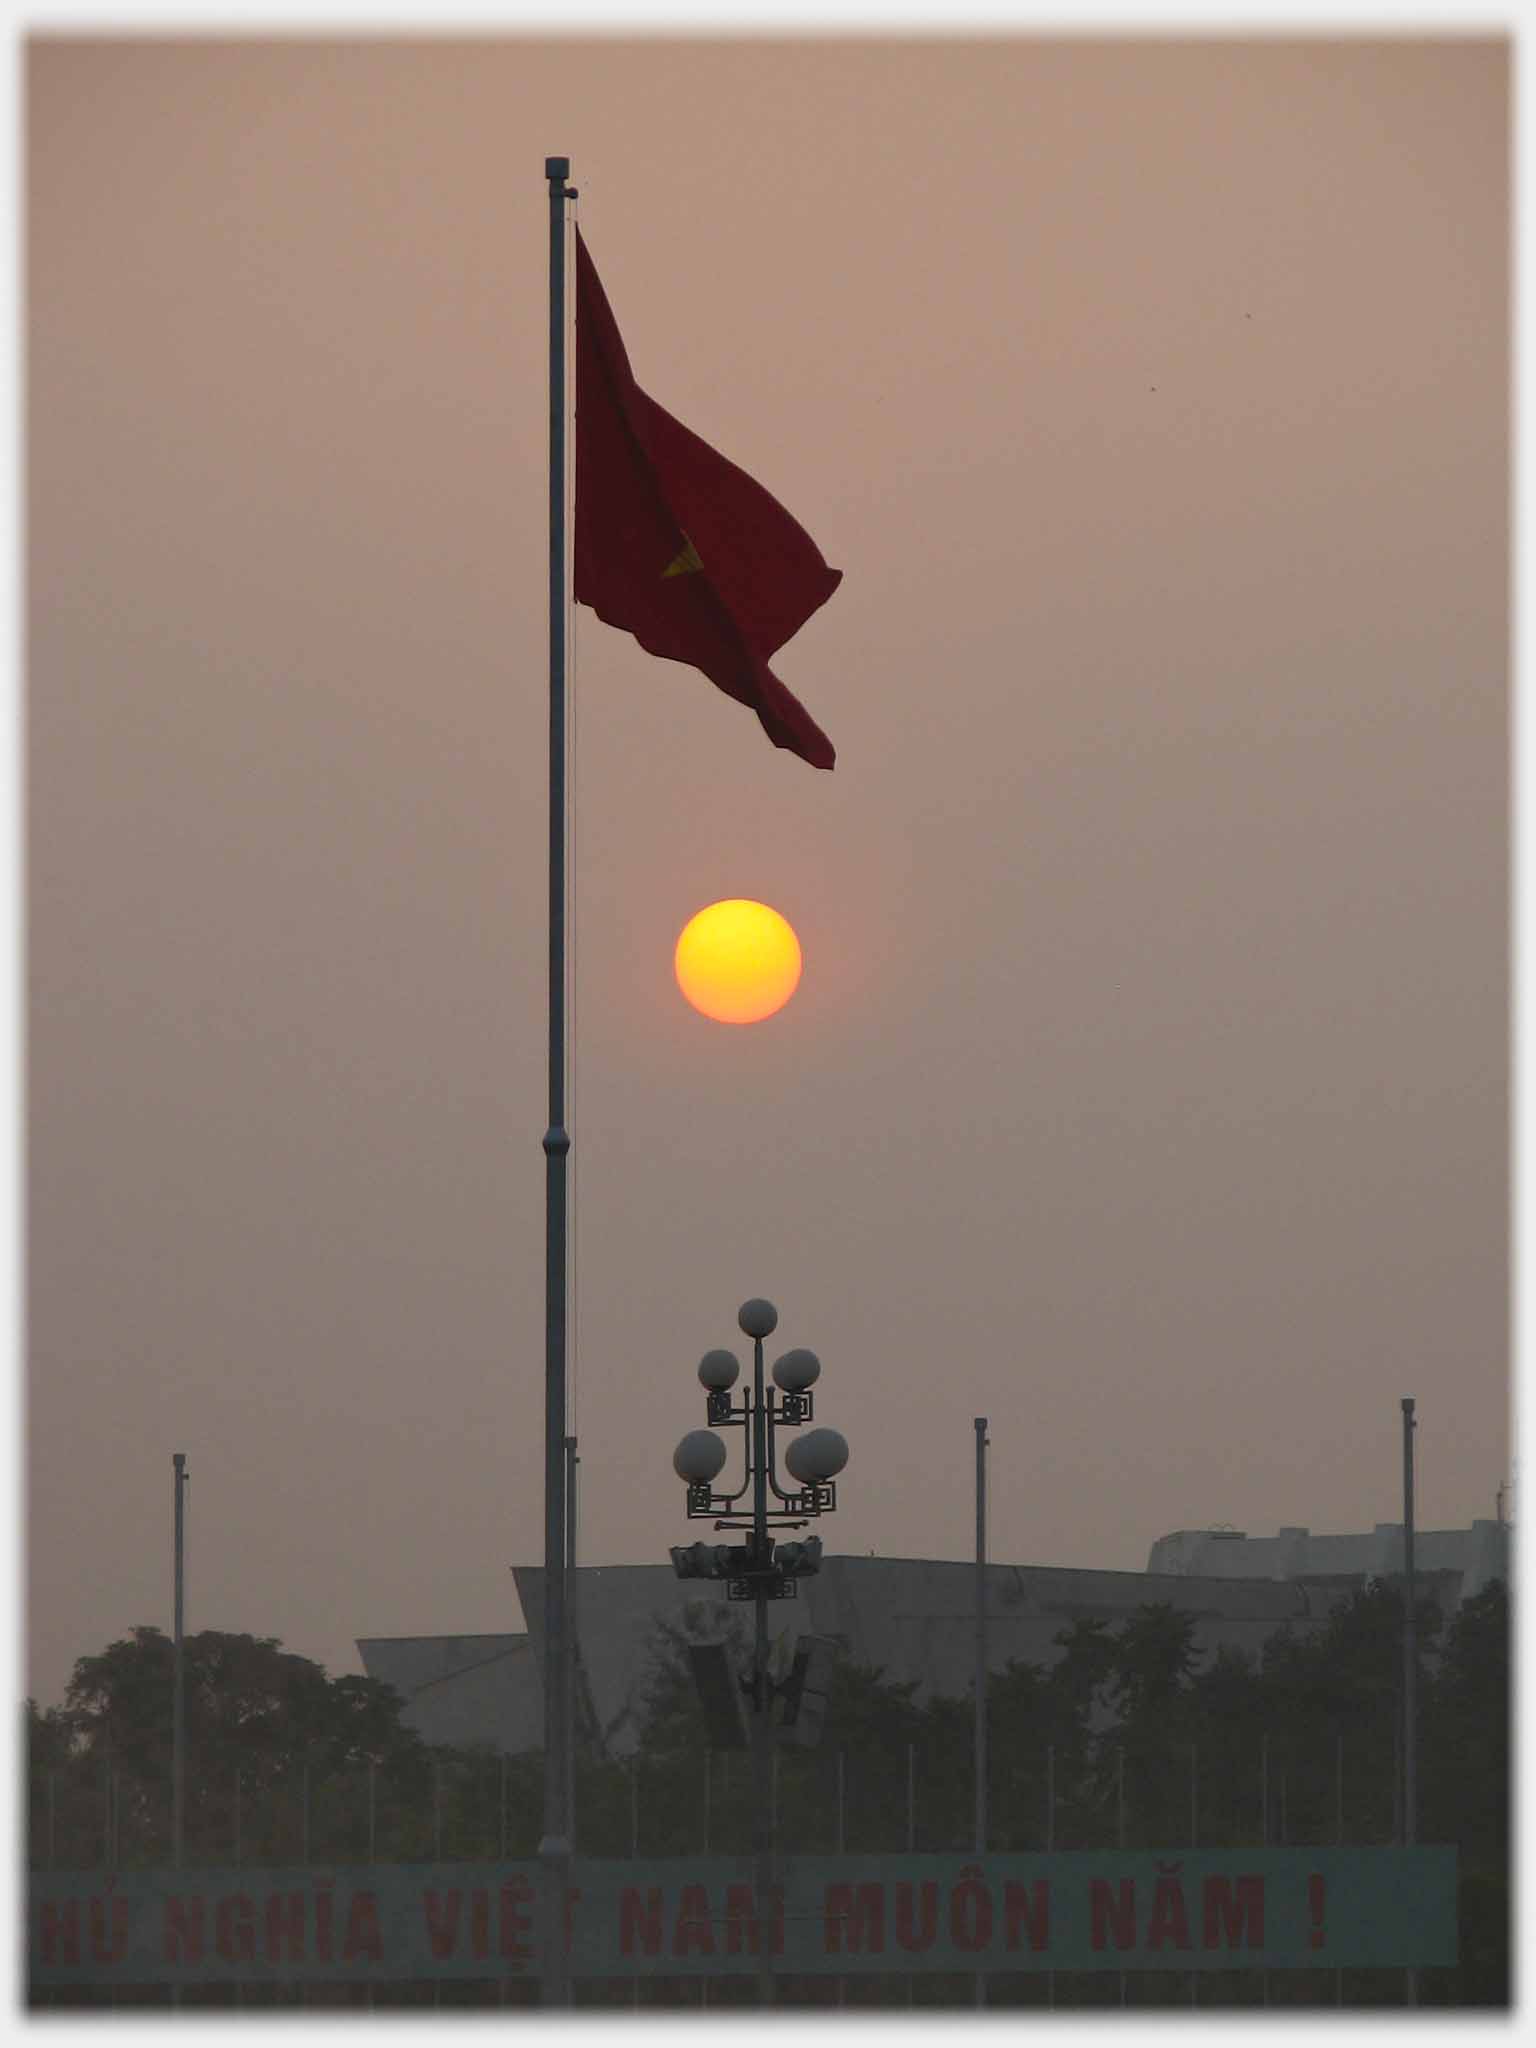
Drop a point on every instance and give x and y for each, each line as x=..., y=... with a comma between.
x=373, y=1814
x=1120, y=1826
x=1397, y=1770
x=1194, y=1838
x=1264, y=1789
x=1050, y=1844
x=1338, y=1830
x=1194, y=1794
x=179, y=1687
x=979, y=1991
x=708, y=1790
x=239, y=1845
x=762, y=1734
x=1410, y=1645
x=1264, y=1829
x=842, y=1847
x=555, y=1847
x=634, y=1850
x=981, y=1640
x=573, y=1636
x=911, y=1839
x=1410, y=1668
x=910, y=1981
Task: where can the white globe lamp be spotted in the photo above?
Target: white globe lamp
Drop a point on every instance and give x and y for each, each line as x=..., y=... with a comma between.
x=797, y=1370
x=757, y=1317
x=819, y=1454
x=719, y=1370
x=700, y=1456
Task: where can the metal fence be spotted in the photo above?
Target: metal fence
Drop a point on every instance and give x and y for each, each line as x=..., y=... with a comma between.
x=101, y=1815
x=478, y=1806
x=489, y=1807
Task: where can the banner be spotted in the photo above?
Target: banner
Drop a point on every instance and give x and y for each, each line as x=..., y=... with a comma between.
x=1208, y=1909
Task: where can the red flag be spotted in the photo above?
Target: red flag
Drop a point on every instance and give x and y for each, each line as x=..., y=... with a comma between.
x=680, y=547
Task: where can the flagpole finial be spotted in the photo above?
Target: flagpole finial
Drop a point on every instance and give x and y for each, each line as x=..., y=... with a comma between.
x=557, y=169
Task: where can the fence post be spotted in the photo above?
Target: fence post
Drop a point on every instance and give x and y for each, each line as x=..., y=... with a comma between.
x=1338, y=1828
x=239, y=1851
x=1120, y=1827
x=1397, y=1770
x=1050, y=1844
x=911, y=1840
x=1194, y=1795
x=1264, y=1789
x=1264, y=1832
x=842, y=1848
x=634, y=1850
x=1194, y=1841
x=373, y=1842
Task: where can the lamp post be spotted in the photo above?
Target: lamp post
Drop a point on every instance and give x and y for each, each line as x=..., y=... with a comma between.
x=761, y=1569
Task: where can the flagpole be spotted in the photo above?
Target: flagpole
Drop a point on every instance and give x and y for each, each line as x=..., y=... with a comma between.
x=555, y=1847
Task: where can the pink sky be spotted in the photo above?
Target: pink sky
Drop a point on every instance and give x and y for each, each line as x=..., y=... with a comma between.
x=1146, y=1087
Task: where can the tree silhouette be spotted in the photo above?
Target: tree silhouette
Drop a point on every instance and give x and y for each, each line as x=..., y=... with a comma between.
x=269, y=1738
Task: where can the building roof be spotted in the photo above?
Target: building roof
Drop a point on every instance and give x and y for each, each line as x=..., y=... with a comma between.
x=462, y=1690
x=912, y=1618
x=1477, y=1554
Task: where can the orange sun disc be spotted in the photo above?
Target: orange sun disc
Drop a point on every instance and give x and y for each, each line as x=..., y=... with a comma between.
x=737, y=961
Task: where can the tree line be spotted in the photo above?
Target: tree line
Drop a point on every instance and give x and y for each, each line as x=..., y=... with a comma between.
x=1129, y=1737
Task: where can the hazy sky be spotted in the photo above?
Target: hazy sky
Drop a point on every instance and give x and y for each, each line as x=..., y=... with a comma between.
x=1146, y=1088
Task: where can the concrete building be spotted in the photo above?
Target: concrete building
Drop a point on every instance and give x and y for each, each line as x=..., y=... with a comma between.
x=912, y=1618
x=1476, y=1555
x=463, y=1690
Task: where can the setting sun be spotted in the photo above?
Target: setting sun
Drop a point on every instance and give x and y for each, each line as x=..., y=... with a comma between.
x=737, y=961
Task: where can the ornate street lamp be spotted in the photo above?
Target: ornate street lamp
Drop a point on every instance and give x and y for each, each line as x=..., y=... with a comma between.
x=761, y=1569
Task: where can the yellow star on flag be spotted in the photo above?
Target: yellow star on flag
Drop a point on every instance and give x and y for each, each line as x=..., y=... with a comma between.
x=684, y=563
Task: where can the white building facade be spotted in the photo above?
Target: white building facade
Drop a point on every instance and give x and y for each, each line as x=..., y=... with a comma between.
x=914, y=1619
x=1479, y=1554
